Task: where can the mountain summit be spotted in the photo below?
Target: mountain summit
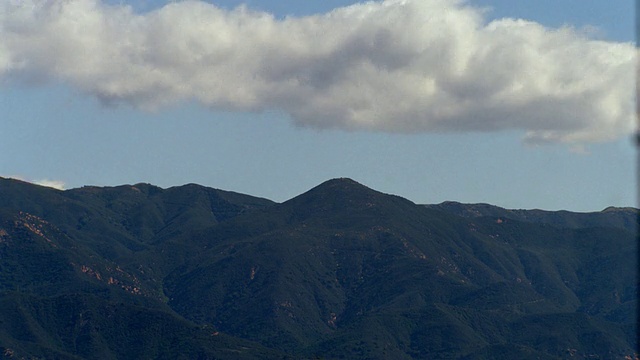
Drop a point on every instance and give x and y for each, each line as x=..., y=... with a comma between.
x=341, y=271
x=337, y=192
x=344, y=197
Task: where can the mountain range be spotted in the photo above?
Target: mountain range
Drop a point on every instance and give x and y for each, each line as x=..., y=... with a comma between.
x=339, y=272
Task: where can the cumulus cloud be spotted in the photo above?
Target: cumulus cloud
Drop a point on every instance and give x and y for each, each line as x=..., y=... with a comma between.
x=397, y=66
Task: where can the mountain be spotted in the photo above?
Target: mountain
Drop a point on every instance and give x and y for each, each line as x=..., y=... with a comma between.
x=624, y=218
x=341, y=271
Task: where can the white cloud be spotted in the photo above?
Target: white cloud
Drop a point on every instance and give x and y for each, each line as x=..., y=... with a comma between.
x=397, y=65
x=56, y=184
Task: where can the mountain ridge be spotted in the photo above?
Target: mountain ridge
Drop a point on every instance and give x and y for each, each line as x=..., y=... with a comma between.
x=327, y=184
x=340, y=271
x=623, y=217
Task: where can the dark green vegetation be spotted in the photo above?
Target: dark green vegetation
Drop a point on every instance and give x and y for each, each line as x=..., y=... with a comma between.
x=341, y=271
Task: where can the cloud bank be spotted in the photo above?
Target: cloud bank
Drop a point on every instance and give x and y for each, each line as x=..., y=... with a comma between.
x=402, y=66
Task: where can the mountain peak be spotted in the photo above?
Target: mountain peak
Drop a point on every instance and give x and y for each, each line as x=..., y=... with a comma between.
x=338, y=188
x=343, y=195
x=342, y=182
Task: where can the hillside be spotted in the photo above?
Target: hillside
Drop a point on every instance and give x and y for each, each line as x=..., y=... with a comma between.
x=341, y=271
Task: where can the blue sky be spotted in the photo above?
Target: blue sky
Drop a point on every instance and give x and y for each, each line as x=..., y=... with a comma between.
x=304, y=99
